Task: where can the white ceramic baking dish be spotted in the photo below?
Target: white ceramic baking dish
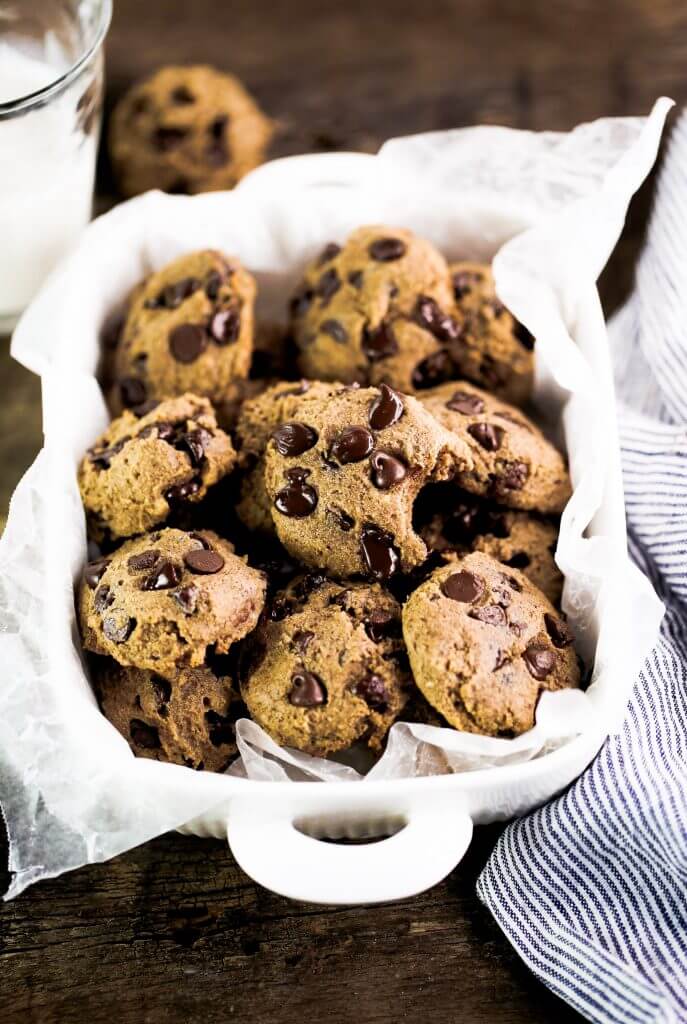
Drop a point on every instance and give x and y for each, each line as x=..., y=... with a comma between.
x=276, y=829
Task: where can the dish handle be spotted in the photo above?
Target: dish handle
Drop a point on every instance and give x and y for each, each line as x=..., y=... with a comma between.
x=273, y=847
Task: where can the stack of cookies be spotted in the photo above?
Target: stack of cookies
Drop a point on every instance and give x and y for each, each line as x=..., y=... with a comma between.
x=328, y=528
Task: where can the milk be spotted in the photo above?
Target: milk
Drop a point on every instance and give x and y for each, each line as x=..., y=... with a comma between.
x=47, y=165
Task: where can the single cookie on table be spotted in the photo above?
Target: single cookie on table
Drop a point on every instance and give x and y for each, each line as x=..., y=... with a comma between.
x=453, y=523
x=376, y=310
x=512, y=461
x=188, y=328
x=160, y=601
x=142, y=468
x=187, y=719
x=343, y=472
x=484, y=643
x=186, y=129
x=327, y=666
x=496, y=350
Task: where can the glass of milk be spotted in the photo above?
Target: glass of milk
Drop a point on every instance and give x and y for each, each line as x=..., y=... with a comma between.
x=51, y=80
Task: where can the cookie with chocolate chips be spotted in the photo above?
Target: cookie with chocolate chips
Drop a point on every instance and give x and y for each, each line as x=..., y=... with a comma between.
x=342, y=474
x=142, y=468
x=185, y=719
x=484, y=643
x=160, y=601
x=452, y=523
x=327, y=666
x=497, y=350
x=512, y=461
x=188, y=328
x=186, y=129
x=377, y=309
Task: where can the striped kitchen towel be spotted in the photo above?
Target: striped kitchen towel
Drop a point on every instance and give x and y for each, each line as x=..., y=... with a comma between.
x=592, y=889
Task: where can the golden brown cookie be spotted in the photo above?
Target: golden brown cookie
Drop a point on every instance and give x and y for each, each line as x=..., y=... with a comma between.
x=484, y=643
x=187, y=719
x=142, y=468
x=189, y=328
x=160, y=601
x=327, y=666
x=512, y=461
x=453, y=523
x=496, y=350
x=186, y=129
x=342, y=474
x=376, y=310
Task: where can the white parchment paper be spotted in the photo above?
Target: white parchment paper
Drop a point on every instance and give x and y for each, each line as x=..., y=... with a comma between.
x=549, y=207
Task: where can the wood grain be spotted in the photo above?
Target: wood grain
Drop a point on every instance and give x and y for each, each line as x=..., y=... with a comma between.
x=174, y=930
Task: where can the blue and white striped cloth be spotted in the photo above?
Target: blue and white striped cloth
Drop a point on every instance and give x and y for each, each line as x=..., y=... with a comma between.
x=592, y=889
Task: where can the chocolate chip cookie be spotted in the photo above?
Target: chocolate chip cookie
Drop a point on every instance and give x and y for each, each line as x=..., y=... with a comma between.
x=327, y=667
x=377, y=310
x=189, y=328
x=512, y=461
x=162, y=600
x=143, y=467
x=453, y=523
x=484, y=643
x=186, y=129
x=187, y=719
x=496, y=350
x=342, y=474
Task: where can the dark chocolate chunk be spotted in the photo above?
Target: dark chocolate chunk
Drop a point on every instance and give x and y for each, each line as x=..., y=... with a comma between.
x=182, y=492
x=301, y=639
x=466, y=403
x=336, y=330
x=196, y=442
x=163, y=577
x=559, y=631
x=353, y=444
x=373, y=691
x=328, y=285
x=94, y=571
x=429, y=315
x=463, y=586
x=464, y=281
x=225, y=326
x=487, y=435
x=132, y=391
x=386, y=249
x=213, y=283
x=385, y=410
x=329, y=252
x=511, y=477
x=307, y=690
x=433, y=370
x=387, y=470
x=102, y=599
x=341, y=518
x=355, y=278
x=540, y=660
x=297, y=499
x=294, y=438
x=379, y=342
x=380, y=625
x=493, y=614
x=187, y=342
x=378, y=552
x=182, y=95
x=166, y=138
x=144, y=560
x=203, y=561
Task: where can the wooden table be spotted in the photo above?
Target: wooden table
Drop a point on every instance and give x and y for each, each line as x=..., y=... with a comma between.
x=174, y=930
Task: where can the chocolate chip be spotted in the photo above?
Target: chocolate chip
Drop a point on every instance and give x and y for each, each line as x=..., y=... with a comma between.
x=144, y=735
x=94, y=571
x=355, y=278
x=132, y=391
x=379, y=342
x=387, y=470
x=520, y=560
x=111, y=331
x=307, y=584
x=294, y=438
x=373, y=691
x=378, y=552
x=213, y=283
x=540, y=660
x=466, y=403
x=182, y=95
x=307, y=690
x=103, y=599
x=196, y=443
x=144, y=560
x=329, y=252
x=341, y=518
x=381, y=625
x=512, y=477
x=204, y=562
x=386, y=409
x=187, y=342
x=172, y=295
x=523, y=335
x=186, y=598
x=493, y=614
x=164, y=576
x=225, y=326
x=353, y=444
x=201, y=540
x=463, y=586
x=298, y=499
x=487, y=435
x=336, y=330
x=301, y=302
x=182, y=492
x=386, y=249
x=433, y=370
x=328, y=285
x=464, y=281
x=500, y=660
x=559, y=631
x=102, y=459
x=301, y=639
x=165, y=139
x=118, y=629
x=218, y=126
x=428, y=314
